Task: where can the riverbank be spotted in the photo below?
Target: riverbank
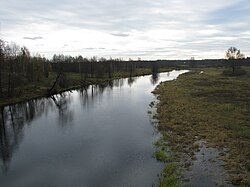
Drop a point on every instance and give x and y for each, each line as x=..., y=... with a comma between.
x=207, y=107
x=73, y=81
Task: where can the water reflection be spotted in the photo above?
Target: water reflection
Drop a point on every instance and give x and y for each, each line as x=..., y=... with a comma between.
x=154, y=78
x=14, y=118
x=62, y=102
x=109, y=144
x=131, y=80
x=12, y=121
x=118, y=82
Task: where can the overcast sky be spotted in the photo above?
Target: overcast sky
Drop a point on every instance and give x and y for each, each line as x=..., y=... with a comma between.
x=149, y=29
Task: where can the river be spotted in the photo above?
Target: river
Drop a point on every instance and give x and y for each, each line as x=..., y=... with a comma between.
x=99, y=136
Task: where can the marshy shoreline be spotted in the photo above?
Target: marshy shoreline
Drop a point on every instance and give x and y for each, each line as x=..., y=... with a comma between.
x=208, y=107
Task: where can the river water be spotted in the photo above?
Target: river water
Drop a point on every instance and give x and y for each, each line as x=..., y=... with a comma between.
x=99, y=136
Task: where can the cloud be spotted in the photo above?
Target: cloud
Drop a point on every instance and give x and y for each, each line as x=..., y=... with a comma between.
x=89, y=48
x=65, y=46
x=33, y=38
x=120, y=34
x=185, y=27
x=94, y=48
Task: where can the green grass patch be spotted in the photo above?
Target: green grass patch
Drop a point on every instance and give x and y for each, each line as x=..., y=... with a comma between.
x=170, y=176
x=163, y=156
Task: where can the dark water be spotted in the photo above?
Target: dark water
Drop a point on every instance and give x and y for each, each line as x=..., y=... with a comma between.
x=101, y=136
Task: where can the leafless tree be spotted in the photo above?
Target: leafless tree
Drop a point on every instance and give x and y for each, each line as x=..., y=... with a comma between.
x=1, y=65
x=233, y=55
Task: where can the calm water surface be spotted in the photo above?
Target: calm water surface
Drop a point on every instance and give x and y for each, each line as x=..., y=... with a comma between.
x=101, y=136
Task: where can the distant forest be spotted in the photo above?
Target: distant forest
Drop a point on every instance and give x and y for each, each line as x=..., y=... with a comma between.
x=18, y=67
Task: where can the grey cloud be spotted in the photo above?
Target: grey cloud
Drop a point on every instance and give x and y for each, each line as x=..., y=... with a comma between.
x=93, y=48
x=33, y=38
x=89, y=48
x=105, y=15
x=40, y=45
x=231, y=14
x=120, y=16
x=120, y=34
x=123, y=16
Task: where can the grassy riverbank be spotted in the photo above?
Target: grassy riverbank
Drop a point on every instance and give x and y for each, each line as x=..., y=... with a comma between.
x=210, y=107
x=24, y=92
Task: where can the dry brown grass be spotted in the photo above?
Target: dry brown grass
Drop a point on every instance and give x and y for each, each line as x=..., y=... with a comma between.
x=209, y=107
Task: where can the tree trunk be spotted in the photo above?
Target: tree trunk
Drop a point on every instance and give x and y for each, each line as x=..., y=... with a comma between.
x=1, y=68
x=80, y=71
x=233, y=65
x=10, y=81
x=51, y=90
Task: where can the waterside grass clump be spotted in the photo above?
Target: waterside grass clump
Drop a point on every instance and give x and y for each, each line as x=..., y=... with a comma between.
x=170, y=176
x=207, y=106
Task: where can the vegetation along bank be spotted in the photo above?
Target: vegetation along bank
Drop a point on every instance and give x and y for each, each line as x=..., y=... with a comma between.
x=210, y=107
x=24, y=76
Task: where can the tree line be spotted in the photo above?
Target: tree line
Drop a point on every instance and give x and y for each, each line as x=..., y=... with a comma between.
x=18, y=67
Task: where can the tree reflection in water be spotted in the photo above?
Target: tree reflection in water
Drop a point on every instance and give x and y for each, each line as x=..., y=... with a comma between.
x=62, y=102
x=154, y=78
x=89, y=94
x=131, y=80
x=13, y=118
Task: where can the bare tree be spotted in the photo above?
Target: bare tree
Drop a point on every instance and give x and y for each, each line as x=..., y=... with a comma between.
x=80, y=61
x=233, y=55
x=25, y=56
x=13, y=51
x=109, y=68
x=1, y=65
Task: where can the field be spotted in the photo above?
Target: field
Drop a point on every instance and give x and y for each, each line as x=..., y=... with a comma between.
x=207, y=107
